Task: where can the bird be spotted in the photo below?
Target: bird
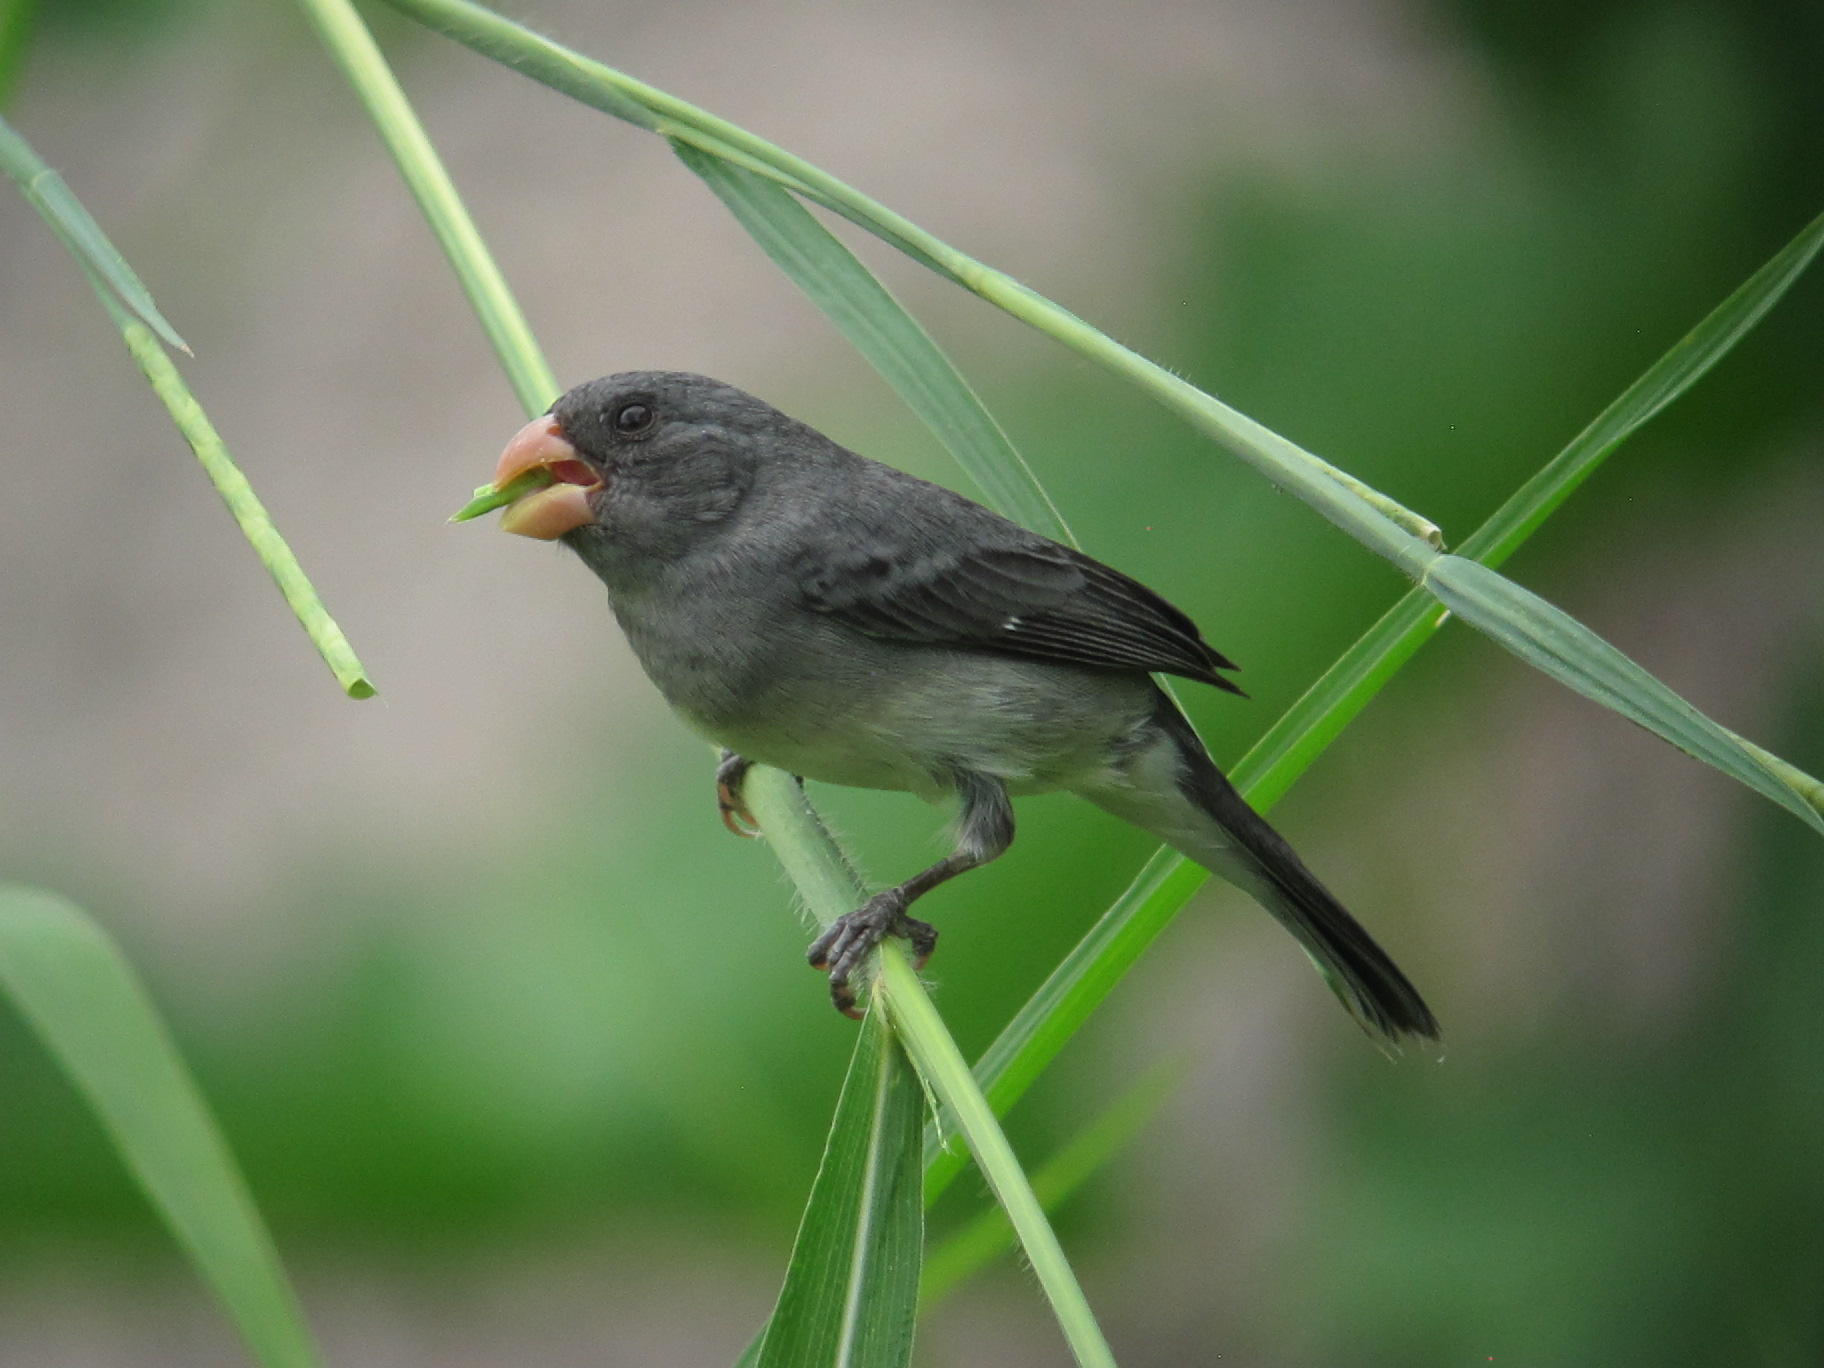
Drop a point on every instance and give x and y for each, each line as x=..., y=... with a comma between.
x=808, y=608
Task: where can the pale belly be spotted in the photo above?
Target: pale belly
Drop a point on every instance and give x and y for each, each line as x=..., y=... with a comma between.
x=1036, y=727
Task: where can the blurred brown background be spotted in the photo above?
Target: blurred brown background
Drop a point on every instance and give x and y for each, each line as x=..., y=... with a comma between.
x=515, y=1043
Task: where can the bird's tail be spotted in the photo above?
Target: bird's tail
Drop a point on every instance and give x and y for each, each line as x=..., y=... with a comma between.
x=1177, y=793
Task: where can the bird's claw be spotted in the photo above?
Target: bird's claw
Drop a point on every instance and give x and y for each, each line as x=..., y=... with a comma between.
x=735, y=816
x=852, y=937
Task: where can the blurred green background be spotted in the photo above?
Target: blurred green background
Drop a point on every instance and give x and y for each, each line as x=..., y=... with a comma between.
x=516, y=1044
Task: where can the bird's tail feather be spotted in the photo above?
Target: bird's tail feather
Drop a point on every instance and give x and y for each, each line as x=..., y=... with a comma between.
x=1230, y=839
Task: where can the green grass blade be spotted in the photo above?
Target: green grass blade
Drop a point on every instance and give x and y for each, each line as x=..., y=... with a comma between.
x=828, y=883
x=355, y=51
x=987, y=1236
x=45, y=190
x=1668, y=378
x=133, y=313
x=1077, y=987
x=1558, y=644
x=255, y=523
x=882, y=331
x=1370, y=516
x=851, y=1292
x=78, y=993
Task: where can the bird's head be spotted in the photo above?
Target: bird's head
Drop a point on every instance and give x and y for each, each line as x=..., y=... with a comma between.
x=645, y=462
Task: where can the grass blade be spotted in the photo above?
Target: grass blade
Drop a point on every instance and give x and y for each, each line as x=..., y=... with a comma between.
x=78, y=993
x=1689, y=360
x=974, y=1246
x=1077, y=987
x=1370, y=516
x=892, y=340
x=133, y=312
x=827, y=880
x=355, y=51
x=255, y=523
x=1558, y=644
x=45, y=190
x=851, y=1292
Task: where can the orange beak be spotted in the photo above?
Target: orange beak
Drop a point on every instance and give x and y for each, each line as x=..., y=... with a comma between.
x=562, y=505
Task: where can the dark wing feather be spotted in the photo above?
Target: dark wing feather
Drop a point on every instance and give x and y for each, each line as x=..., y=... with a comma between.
x=943, y=571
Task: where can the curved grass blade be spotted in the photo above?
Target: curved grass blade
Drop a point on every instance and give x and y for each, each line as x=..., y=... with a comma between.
x=355, y=51
x=892, y=340
x=1073, y=991
x=1370, y=516
x=987, y=1236
x=851, y=1292
x=827, y=880
x=1689, y=360
x=45, y=190
x=83, y=1000
x=1555, y=642
x=133, y=312
x=255, y=523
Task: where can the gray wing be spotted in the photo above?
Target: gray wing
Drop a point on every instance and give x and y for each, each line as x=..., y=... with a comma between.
x=940, y=570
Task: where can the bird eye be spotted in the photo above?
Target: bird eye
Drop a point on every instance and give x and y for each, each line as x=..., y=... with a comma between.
x=631, y=418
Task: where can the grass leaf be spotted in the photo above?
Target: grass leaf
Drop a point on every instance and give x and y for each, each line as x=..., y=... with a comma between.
x=1555, y=642
x=45, y=190
x=255, y=523
x=851, y=1291
x=78, y=993
x=1370, y=516
x=355, y=51
x=1072, y=992
x=1689, y=360
x=974, y=1246
x=827, y=879
x=133, y=313
x=893, y=342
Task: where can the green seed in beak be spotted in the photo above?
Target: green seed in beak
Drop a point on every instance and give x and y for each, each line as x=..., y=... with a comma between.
x=488, y=498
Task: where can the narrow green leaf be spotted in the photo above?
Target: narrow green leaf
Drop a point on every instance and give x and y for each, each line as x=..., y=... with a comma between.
x=851, y=1292
x=133, y=313
x=45, y=190
x=980, y=1241
x=942, y=1066
x=1564, y=648
x=78, y=993
x=827, y=880
x=255, y=523
x=488, y=498
x=879, y=327
x=1689, y=360
x=1033, y=1038
x=1370, y=516
x=355, y=51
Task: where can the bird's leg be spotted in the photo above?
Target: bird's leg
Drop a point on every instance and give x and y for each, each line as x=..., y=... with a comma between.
x=984, y=830
x=729, y=774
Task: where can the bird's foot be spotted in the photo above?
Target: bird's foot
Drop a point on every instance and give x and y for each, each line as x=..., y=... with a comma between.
x=729, y=775
x=846, y=945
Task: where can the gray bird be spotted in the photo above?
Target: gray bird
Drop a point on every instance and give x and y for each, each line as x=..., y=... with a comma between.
x=807, y=608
